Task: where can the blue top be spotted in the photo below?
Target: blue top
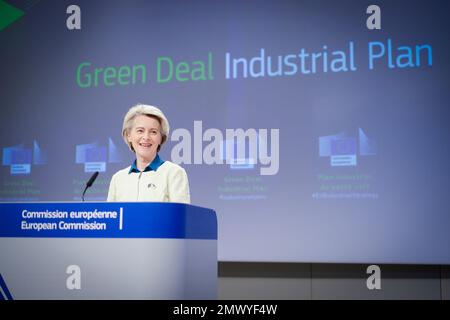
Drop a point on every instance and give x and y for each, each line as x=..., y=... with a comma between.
x=154, y=165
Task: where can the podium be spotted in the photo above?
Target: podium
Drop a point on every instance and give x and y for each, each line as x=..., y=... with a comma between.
x=107, y=250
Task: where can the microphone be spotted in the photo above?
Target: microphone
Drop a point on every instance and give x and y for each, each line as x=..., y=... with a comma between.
x=90, y=183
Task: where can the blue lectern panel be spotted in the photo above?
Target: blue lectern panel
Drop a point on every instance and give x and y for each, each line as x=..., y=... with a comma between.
x=107, y=220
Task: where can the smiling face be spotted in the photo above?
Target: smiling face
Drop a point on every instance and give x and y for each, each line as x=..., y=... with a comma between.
x=145, y=138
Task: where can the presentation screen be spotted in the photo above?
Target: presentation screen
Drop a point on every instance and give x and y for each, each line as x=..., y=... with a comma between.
x=317, y=130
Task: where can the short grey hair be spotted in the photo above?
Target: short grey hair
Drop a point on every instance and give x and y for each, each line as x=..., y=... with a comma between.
x=149, y=111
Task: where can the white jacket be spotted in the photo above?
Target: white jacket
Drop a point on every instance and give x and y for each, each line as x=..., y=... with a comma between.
x=169, y=183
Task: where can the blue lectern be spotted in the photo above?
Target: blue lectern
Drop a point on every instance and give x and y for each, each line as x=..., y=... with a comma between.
x=107, y=250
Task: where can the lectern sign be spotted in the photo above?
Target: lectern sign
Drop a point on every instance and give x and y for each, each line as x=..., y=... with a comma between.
x=104, y=220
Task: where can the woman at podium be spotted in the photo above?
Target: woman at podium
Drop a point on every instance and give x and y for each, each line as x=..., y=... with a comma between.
x=149, y=178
